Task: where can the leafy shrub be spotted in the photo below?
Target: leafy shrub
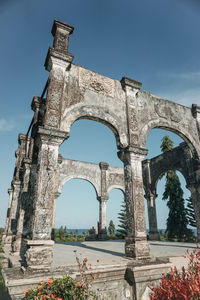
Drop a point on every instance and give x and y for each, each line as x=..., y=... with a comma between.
x=183, y=285
x=66, y=288
x=61, y=289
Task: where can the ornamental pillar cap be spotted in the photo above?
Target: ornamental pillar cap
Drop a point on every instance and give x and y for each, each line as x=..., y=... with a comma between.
x=60, y=25
x=21, y=138
x=35, y=103
x=195, y=110
x=102, y=198
x=10, y=190
x=59, y=52
x=103, y=165
x=125, y=81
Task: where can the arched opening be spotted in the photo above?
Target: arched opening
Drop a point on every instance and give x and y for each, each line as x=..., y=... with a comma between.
x=91, y=141
x=114, y=203
x=157, y=168
x=77, y=208
x=89, y=144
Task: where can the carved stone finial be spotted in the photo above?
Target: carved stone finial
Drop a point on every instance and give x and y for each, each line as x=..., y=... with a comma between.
x=125, y=81
x=195, y=110
x=61, y=32
x=35, y=103
x=103, y=165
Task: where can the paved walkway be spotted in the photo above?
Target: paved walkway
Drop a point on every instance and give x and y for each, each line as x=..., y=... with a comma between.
x=112, y=252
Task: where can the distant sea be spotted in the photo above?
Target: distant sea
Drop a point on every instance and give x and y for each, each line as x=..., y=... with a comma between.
x=80, y=231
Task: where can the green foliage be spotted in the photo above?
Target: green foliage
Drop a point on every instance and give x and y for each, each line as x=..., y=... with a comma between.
x=177, y=219
x=62, y=232
x=111, y=228
x=66, y=288
x=122, y=231
x=60, y=289
x=190, y=213
x=61, y=235
x=167, y=144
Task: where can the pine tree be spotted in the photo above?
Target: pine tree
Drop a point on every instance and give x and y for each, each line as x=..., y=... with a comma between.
x=122, y=231
x=177, y=218
x=190, y=213
x=111, y=228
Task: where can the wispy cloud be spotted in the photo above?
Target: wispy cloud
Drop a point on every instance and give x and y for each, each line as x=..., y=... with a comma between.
x=6, y=125
x=182, y=75
x=185, y=97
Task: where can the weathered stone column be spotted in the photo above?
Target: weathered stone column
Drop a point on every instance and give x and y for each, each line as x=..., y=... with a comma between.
x=153, y=227
x=136, y=242
x=16, y=243
x=12, y=222
x=195, y=195
x=7, y=239
x=43, y=186
x=54, y=216
x=102, y=231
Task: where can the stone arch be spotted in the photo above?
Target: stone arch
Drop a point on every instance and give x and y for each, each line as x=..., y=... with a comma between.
x=165, y=170
x=86, y=178
x=180, y=159
x=116, y=186
x=99, y=114
x=184, y=134
x=170, y=116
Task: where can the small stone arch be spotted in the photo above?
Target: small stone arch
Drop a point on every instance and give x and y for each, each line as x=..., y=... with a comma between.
x=179, y=158
x=65, y=180
x=162, y=124
x=154, y=112
x=116, y=186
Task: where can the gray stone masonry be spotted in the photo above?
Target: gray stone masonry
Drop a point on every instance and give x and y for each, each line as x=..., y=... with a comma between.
x=73, y=93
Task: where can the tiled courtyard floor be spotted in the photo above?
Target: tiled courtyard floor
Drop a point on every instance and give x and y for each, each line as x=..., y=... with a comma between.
x=112, y=252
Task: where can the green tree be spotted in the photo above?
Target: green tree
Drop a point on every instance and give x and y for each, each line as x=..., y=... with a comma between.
x=111, y=228
x=122, y=231
x=61, y=233
x=177, y=218
x=190, y=213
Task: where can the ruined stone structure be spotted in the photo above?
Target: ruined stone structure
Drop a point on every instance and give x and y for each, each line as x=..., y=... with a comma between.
x=73, y=93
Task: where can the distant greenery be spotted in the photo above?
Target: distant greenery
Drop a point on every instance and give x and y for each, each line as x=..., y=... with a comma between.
x=122, y=231
x=62, y=235
x=177, y=220
x=111, y=228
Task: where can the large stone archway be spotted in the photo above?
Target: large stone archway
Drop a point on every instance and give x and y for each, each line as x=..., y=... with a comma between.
x=72, y=93
x=181, y=159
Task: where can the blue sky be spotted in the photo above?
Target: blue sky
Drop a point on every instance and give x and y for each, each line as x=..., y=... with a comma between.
x=155, y=42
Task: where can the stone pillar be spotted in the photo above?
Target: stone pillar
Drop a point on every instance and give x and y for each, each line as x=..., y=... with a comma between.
x=16, y=243
x=7, y=239
x=102, y=231
x=153, y=227
x=136, y=241
x=57, y=62
x=195, y=195
x=43, y=185
x=12, y=221
x=54, y=216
